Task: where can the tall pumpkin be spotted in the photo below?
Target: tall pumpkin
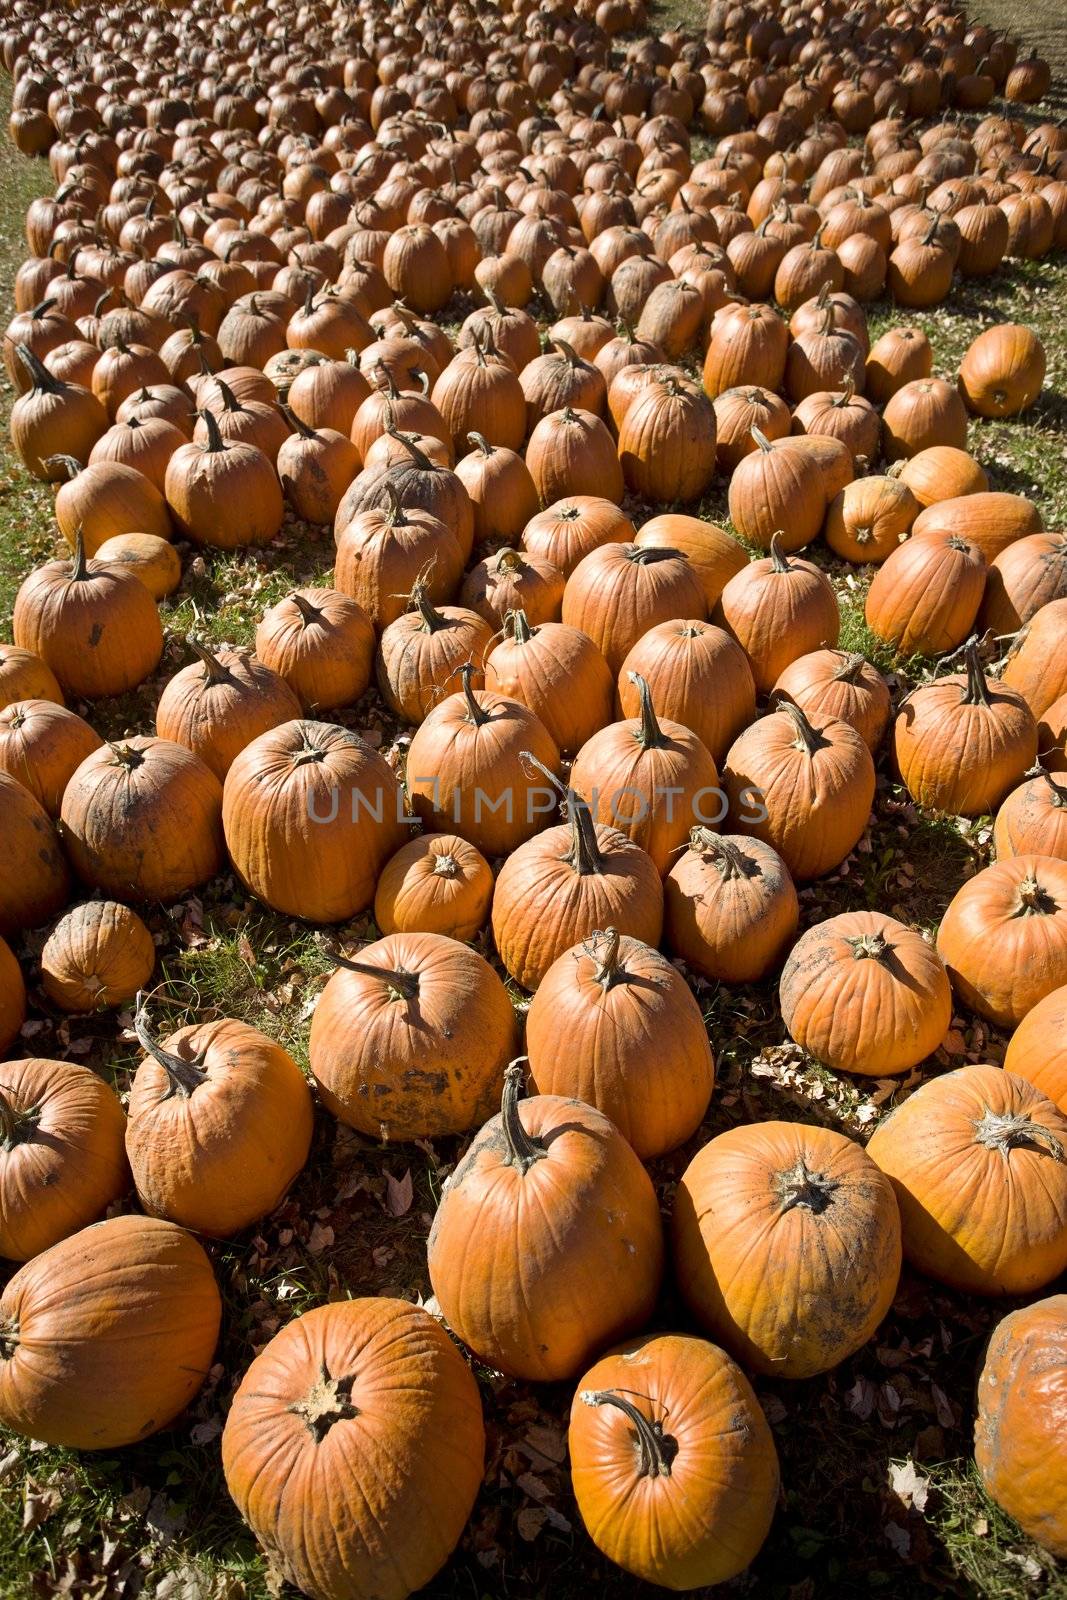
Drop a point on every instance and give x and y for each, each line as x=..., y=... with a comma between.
x=223, y=495
x=777, y=491
x=673, y=1464
x=311, y=813
x=354, y=1449
x=411, y=1040
x=925, y=596
x=322, y=643
x=107, y=1335
x=978, y=1161
x=557, y=672
x=778, y=609
x=697, y=675
x=619, y=591
x=547, y=1243
x=786, y=1243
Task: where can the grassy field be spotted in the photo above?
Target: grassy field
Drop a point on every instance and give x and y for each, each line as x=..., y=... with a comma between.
x=878, y=1487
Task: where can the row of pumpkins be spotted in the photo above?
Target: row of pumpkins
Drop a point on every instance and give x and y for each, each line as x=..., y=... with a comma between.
x=229, y=307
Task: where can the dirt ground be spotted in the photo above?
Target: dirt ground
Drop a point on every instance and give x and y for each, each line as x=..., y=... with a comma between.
x=1041, y=24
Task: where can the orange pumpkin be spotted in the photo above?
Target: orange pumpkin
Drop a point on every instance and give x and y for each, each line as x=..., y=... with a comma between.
x=1002, y=371
x=24, y=676
x=777, y=492
x=322, y=643
x=1037, y=661
x=571, y=529
x=837, y=684
x=41, y=886
x=697, y=675
x=779, y=609
x=714, y=554
x=558, y=673
x=925, y=596
x=1032, y=820
x=730, y=908
x=870, y=518
x=1037, y=1050
x=437, y=883
x=41, y=744
x=977, y=1161
x=12, y=998
x=99, y=954
x=619, y=591
x=221, y=702
x=1003, y=938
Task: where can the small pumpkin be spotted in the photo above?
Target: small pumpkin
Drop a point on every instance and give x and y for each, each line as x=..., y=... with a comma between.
x=571, y=452
x=730, y=907
x=107, y=498
x=411, y=1040
x=383, y=552
x=738, y=412
x=870, y=518
x=421, y=653
x=24, y=676
x=976, y=1159
x=786, y=1244
x=152, y=561
x=941, y=472
x=108, y=1335
x=98, y=955
x=221, y=495
x=921, y=414
x=1003, y=370
x=547, y=1243
x=667, y=442
x=53, y=416
x=1003, y=938
x=315, y=466
x=900, y=356
x=437, y=883
x=569, y=530
x=697, y=675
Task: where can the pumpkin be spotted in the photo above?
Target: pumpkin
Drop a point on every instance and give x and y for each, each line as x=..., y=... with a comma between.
x=108, y=1335
x=614, y=1025
x=327, y=394
x=467, y=764
x=1052, y=735
x=992, y=521
x=95, y=625
x=12, y=998
x=778, y=609
x=315, y=467
x=619, y=591
x=107, y=498
x=41, y=744
x=311, y=813
x=976, y=1159
x=62, y=1160
x=777, y=490
x=870, y=518
x=804, y=789
x=321, y=643
x=122, y=370
x=383, y=553
x=697, y=675
x=786, y=1244
x=557, y=672
x=220, y=703
x=547, y=1243
x=572, y=528
x=730, y=908
x=561, y=378
x=421, y=484
x=98, y=955
x=925, y=596
x=571, y=452
x=1037, y=1050
x=1002, y=371
x=1003, y=938
x=411, y=1040
x=152, y=561
x=740, y=410
x=961, y=743
x=749, y=345
x=1019, y=1425
x=146, y=789
x=223, y=495
x=842, y=415
x=837, y=684
x=24, y=676
x=667, y=442
x=863, y=993
x=390, y=407
x=899, y=357
x=921, y=414
x=502, y=493
x=437, y=883
x=145, y=445
x=1032, y=820
x=510, y=581
x=1037, y=662
x=479, y=391
x=715, y=555
x=941, y=472
x=219, y=1125
x=41, y=885
x=825, y=357
x=53, y=416
x=417, y=269
x=647, y=777
x=354, y=1449
x=1027, y=574
x=420, y=654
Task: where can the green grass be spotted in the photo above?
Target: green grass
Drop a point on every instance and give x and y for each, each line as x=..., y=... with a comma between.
x=156, y=1519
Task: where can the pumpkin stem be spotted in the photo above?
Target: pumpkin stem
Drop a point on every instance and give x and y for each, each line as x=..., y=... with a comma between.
x=309, y=613
x=421, y=460
x=870, y=946
x=214, y=671
x=296, y=423
x=808, y=737
x=657, y=1449
x=850, y=669
x=1034, y=898
x=568, y=352
x=727, y=857
x=977, y=690
x=79, y=568
x=475, y=713
x=1058, y=797
x=1009, y=1130
x=523, y=1150
x=650, y=735
x=419, y=598
x=16, y=1127
x=608, y=967
x=445, y=867
x=779, y=559
x=71, y=465
x=402, y=985
x=840, y=401
x=183, y=1076
x=215, y=441
x=761, y=439
x=519, y=624
x=480, y=442
x=799, y=1186
x=329, y=1400
x=42, y=380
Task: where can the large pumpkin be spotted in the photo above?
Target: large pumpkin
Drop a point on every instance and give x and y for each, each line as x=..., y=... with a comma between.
x=354, y=1449
x=1020, y=1431
x=1004, y=937
x=219, y=1125
x=41, y=884
x=786, y=1246
x=615, y=1025
x=311, y=813
x=978, y=1160
x=62, y=1160
x=863, y=993
x=223, y=495
x=1002, y=371
x=142, y=820
x=777, y=492
x=98, y=955
x=1037, y=1050
x=108, y=1335
x=547, y=1244
x=619, y=591
x=1037, y=662
x=411, y=1040
x=730, y=907
x=672, y=1462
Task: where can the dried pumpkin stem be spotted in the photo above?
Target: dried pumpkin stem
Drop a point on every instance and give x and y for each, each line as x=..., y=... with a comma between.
x=329, y=1400
x=649, y=735
x=184, y=1076
x=725, y=854
x=403, y=985
x=851, y=668
x=215, y=441
x=779, y=560
x=480, y=442
x=609, y=969
x=1034, y=898
x=16, y=1126
x=808, y=737
x=309, y=613
x=657, y=1449
x=522, y=1148
x=1011, y=1130
x=519, y=624
x=799, y=1186
x=977, y=690
x=215, y=672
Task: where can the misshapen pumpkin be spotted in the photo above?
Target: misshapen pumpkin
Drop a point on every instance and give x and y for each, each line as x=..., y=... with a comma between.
x=354, y=1449
x=108, y=1335
x=786, y=1244
x=1020, y=1431
x=673, y=1465
x=547, y=1244
x=977, y=1161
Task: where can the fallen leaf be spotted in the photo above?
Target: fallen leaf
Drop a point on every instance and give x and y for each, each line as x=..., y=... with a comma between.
x=899, y=1538
x=398, y=1194
x=530, y=1521
x=908, y=1484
